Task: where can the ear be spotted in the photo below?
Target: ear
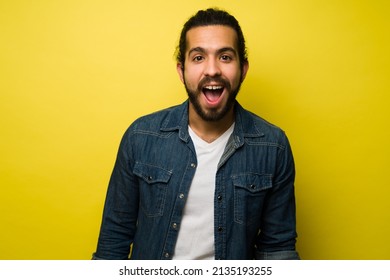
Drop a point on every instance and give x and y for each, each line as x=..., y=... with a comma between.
x=180, y=71
x=245, y=69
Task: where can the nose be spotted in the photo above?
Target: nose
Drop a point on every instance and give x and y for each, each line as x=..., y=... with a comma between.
x=212, y=68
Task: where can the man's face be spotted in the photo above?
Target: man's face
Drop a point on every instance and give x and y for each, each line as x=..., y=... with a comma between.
x=212, y=74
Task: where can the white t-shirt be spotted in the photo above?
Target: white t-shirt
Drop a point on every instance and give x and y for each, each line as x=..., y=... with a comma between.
x=196, y=233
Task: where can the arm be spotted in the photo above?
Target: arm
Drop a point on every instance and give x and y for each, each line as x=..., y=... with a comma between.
x=278, y=228
x=120, y=210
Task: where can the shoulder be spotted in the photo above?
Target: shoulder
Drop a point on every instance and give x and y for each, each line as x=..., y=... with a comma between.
x=260, y=124
x=255, y=126
x=154, y=120
x=165, y=120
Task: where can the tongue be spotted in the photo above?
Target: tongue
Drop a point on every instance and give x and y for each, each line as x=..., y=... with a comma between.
x=212, y=95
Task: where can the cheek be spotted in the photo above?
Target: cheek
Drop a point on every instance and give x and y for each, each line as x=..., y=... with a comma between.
x=191, y=78
x=234, y=80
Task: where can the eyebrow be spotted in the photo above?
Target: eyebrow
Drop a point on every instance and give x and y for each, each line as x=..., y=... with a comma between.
x=222, y=50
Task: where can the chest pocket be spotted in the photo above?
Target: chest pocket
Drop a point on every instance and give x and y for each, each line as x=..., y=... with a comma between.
x=249, y=192
x=153, y=186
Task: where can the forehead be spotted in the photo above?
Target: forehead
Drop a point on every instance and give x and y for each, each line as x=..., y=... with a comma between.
x=211, y=37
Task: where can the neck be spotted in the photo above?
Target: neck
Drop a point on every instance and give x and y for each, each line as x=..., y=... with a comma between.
x=210, y=130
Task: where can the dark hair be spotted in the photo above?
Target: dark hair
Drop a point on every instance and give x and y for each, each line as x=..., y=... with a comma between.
x=207, y=17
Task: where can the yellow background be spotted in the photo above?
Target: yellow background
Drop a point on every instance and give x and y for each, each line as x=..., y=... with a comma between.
x=74, y=74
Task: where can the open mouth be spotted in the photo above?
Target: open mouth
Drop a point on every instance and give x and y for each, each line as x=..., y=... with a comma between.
x=212, y=92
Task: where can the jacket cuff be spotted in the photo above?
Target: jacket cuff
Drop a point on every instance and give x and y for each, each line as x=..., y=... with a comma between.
x=279, y=255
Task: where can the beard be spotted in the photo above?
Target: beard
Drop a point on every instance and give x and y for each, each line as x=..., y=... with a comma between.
x=214, y=114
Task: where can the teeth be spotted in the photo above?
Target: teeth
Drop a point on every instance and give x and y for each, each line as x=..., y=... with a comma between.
x=213, y=87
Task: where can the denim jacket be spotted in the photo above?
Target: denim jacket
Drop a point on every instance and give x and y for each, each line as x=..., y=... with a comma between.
x=254, y=204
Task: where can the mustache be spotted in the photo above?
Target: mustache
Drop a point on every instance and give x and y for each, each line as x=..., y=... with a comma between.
x=218, y=80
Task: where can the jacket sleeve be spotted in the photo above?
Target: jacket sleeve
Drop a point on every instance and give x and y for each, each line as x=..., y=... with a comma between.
x=277, y=236
x=120, y=213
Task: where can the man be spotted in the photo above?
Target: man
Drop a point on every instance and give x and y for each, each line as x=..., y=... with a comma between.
x=205, y=179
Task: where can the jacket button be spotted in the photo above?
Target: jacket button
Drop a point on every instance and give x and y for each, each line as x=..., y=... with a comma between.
x=181, y=195
x=174, y=225
x=166, y=255
x=220, y=229
x=193, y=165
x=219, y=197
x=253, y=186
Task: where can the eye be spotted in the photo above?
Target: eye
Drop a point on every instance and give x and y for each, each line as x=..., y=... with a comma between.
x=197, y=58
x=225, y=57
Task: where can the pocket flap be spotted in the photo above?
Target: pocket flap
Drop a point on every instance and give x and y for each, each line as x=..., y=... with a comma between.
x=253, y=182
x=151, y=173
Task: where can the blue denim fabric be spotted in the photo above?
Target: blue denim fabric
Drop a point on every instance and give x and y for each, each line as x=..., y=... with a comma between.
x=254, y=202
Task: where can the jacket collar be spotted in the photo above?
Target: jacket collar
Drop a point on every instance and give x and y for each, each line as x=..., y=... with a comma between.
x=245, y=126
